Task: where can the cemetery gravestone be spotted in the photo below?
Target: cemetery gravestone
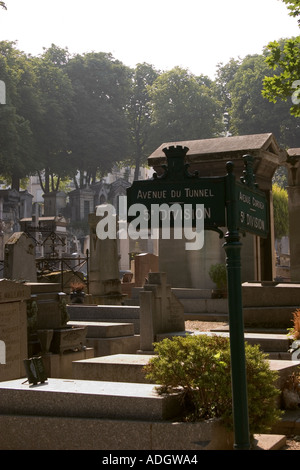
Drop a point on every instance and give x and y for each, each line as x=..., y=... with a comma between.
x=104, y=282
x=20, y=258
x=161, y=313
x=13, y=328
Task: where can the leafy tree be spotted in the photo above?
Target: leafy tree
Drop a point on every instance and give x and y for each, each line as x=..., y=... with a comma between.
x=18, y=151
x=224, y=76
x=281, y=213
x=98, y=126
x=249, y=111
x=183, y=108
x=138, y=112
x=284, y=57
x=293, y=6
x=52, y=131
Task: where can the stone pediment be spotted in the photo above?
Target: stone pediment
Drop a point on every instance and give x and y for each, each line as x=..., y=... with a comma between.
x=209, y=156
x=200, y=150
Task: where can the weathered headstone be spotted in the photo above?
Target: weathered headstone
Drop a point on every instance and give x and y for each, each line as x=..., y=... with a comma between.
x=104, y=282
x=144, y=263
x=20, y=258
x=161, y=313
x=13, y=328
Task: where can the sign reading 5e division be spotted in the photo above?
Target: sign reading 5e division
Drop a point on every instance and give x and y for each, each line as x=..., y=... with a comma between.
x=252, y=211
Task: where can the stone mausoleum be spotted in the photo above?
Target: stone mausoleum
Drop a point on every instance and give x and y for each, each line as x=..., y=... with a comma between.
x=209, y=158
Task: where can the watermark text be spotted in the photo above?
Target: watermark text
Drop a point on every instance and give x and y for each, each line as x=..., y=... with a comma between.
x=162, y=220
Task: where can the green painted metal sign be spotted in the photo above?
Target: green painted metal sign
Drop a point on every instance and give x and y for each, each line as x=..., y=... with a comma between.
x=239, y=206
x=253, y=214
x=207, y=191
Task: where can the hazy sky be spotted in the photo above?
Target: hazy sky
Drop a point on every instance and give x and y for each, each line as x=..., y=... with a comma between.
x=194, y=34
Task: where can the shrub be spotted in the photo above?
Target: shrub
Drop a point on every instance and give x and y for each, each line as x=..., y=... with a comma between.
x=199, y=366
x=218, y=275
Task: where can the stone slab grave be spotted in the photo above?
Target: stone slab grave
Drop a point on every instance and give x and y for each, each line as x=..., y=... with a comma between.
x=114, y=368
x=104, y=417
x=87, y=399
x=105, y=337
x=13, y=328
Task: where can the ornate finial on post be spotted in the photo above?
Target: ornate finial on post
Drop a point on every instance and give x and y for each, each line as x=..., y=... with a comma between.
x=249, y=176
x=176, y=167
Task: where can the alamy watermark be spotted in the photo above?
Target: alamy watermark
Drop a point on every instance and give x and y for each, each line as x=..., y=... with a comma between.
x=162, y=220
x=296, y=93
x=2, y=92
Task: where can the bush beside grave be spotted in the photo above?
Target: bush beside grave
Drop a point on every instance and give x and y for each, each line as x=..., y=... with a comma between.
x=199, y=365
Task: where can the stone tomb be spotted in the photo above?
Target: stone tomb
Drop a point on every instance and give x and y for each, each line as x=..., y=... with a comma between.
x=13, y=328
x=209, y=156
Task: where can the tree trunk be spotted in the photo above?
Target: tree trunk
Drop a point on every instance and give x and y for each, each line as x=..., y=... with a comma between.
x=15, y=182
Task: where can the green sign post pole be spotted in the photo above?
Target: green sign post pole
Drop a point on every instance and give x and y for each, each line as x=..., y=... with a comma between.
x=232, y=248
x=246, y=210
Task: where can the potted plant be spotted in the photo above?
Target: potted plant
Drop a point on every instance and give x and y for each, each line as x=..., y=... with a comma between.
x=218, y=275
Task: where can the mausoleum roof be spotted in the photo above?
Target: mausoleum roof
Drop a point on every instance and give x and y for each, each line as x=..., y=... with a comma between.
x=235, y=146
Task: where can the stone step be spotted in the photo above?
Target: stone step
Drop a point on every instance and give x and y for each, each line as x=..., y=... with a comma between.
x=256, y=294
x=106, y=313
x=101, y=312
x=280, y=316
x=268, y=342
x=187, y=293
x=87, y=399
x=117, y=345
x=130, y=368
x=109, y=337
x=105, y=329
x=113, y=368
x=197, y=305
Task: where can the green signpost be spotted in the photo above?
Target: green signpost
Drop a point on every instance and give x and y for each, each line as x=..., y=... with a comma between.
x=239, y=206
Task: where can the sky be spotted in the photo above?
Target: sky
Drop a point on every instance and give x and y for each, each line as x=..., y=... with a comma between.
x=194, y=34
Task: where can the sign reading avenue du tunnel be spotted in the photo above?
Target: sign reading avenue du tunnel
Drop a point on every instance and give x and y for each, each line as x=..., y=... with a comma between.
x=177, y=187
x=207, y=191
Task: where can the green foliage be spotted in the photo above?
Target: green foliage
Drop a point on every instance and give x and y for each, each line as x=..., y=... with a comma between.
x=184, y=107
x=138, y=111
x=281, y=212
x=293, y=6
x=98, y=127
x=218, y=275
x=240, y=84
x=284, y=57
x=199, y=366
